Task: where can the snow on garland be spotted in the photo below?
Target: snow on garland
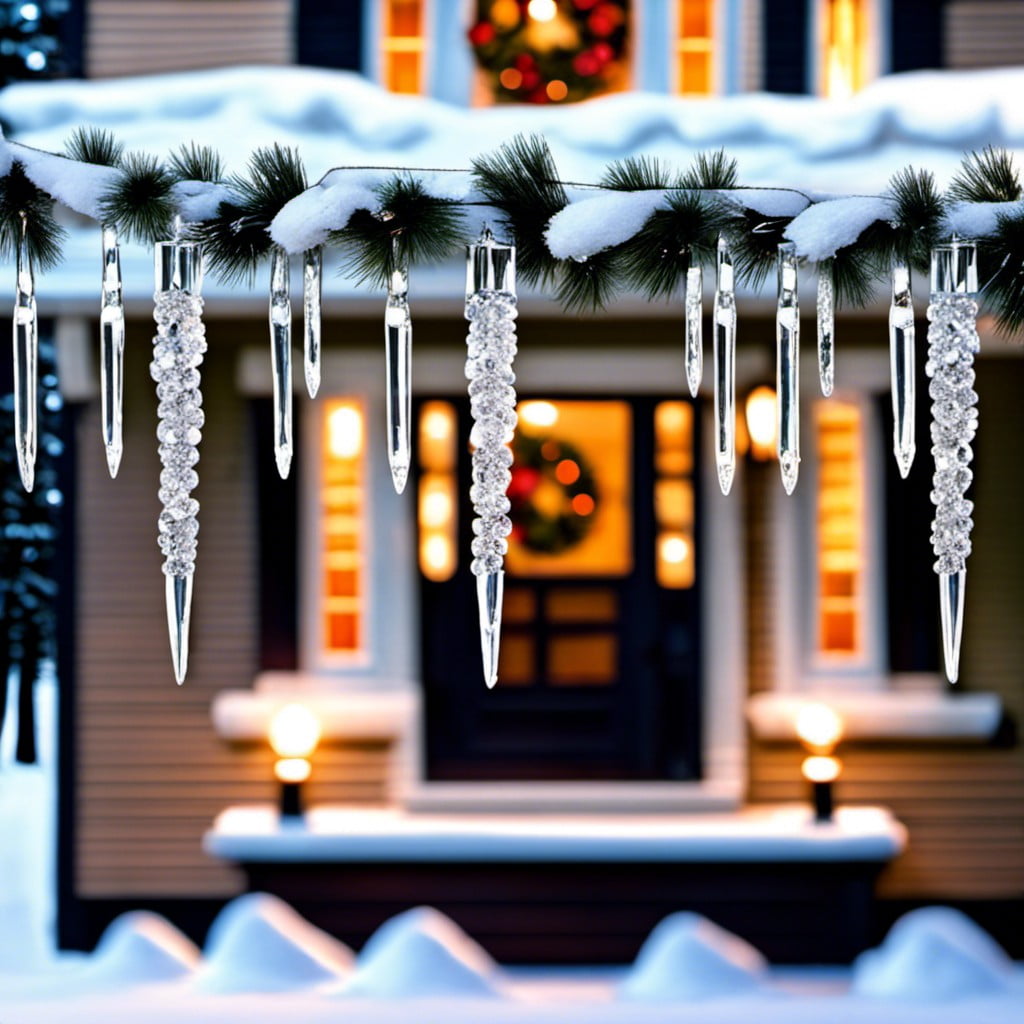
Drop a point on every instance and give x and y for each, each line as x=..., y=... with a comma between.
x=643, y=225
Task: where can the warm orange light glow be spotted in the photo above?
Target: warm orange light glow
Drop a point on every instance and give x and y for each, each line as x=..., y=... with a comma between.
x=345, y=431
x=294, y=731
x=695, y=47
x=761, y=425
x=583, y=505
x=821, y=769
x=557, y=90
x=505, y=13
x=437, y=502
x=538, y=414
x=403, y=45
x=819, y=726
x=511, y=78
x=542, y=10
x=567, y=472
x=437, y=557
x=673, y=548
x=292, y=769
x=844, y=46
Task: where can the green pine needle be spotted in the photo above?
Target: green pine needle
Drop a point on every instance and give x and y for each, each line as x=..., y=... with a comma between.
x=919, y=215
x=140, y=204
x=45, y=237
x=197, y=163
x=755, y=245
x=1002, y=260
x=711, y=170
x=410, y=227
x=987, y=177
x=586, y=286
x=236, y=240
x=521, y=180
x=94, y=146
x=637, y=174
x=656, y=259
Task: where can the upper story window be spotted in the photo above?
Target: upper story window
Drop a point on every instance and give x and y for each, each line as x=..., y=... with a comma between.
x=695, y=70
x=848, y=58
x=403, y=45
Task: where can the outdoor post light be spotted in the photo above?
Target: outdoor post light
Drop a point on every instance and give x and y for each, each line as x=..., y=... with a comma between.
x=820, y=729
x=761, y=423
x=294, y=733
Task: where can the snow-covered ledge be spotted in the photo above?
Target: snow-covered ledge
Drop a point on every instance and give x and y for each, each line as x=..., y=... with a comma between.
x=753, y=835
x=883, y=715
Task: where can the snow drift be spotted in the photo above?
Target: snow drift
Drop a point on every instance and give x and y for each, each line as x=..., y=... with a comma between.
x=260, y=944
x=687, y=958
x=422, y=953
x=933, y=955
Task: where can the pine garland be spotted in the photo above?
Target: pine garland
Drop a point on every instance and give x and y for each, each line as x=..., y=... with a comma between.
x=521, y=187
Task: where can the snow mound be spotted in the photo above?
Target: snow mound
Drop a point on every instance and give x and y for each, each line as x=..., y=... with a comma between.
x=600, y=222
x=259, y=944
x=422, y=953
x=687, y=957
x=932, y=955
x=825, y=228
x=140, y=947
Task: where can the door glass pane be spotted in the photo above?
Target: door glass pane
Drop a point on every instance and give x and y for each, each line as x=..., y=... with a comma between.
x=571, y=490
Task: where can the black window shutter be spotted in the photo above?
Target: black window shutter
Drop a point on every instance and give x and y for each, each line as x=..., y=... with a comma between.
x=915, y=31
x=329, y=34
x=784, y=45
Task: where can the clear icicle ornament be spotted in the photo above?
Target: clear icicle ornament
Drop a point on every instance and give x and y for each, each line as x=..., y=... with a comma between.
x=952, y=344
x=281, y=357
x=902, y=368
x=491, y=348
x=312, y=290
x=178, y=350
x=826, y=323
x=25, y=343
x=787, y=368
x=398, y=355
x=112, y=350
x=694, y=328
x=725, y=367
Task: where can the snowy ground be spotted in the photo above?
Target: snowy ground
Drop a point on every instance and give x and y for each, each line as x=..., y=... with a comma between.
x=264, y=963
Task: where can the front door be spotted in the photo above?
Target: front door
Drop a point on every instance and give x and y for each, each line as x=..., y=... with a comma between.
x=599, y=670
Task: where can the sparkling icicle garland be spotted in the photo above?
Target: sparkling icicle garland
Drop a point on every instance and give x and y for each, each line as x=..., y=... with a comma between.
x=787, y=368
x=491, y=348
x=178, y=350
x=902, y=368
x=281, y=357
x=398, y=353
x=25, y=342
x=952, y=344
x=112, y=350
x=725, y=367
x=694, y=328
x=826, y=326
x=312, y=289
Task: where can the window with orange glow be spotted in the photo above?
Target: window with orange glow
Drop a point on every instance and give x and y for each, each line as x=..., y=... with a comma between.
x=845, y=39
x=695, y=47
x=342, y=504
x=675, y=556
x=841, y=530
x=438, y=498
x=403, y=45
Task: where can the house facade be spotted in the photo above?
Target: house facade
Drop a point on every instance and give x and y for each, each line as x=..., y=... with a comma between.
x=656, y=635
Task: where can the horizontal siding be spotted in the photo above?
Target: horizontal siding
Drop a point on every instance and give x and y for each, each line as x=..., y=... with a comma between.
x=984, y=33
x=132, y=37
x=961, y=803
x=151, y=773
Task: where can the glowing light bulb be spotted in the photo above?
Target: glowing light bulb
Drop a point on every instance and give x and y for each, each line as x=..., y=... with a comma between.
x=821, y=769
x=819, y=726
x=542, y=10
x=761, y=425
x=294, y=732
x=345, y=432
x=538, y=414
